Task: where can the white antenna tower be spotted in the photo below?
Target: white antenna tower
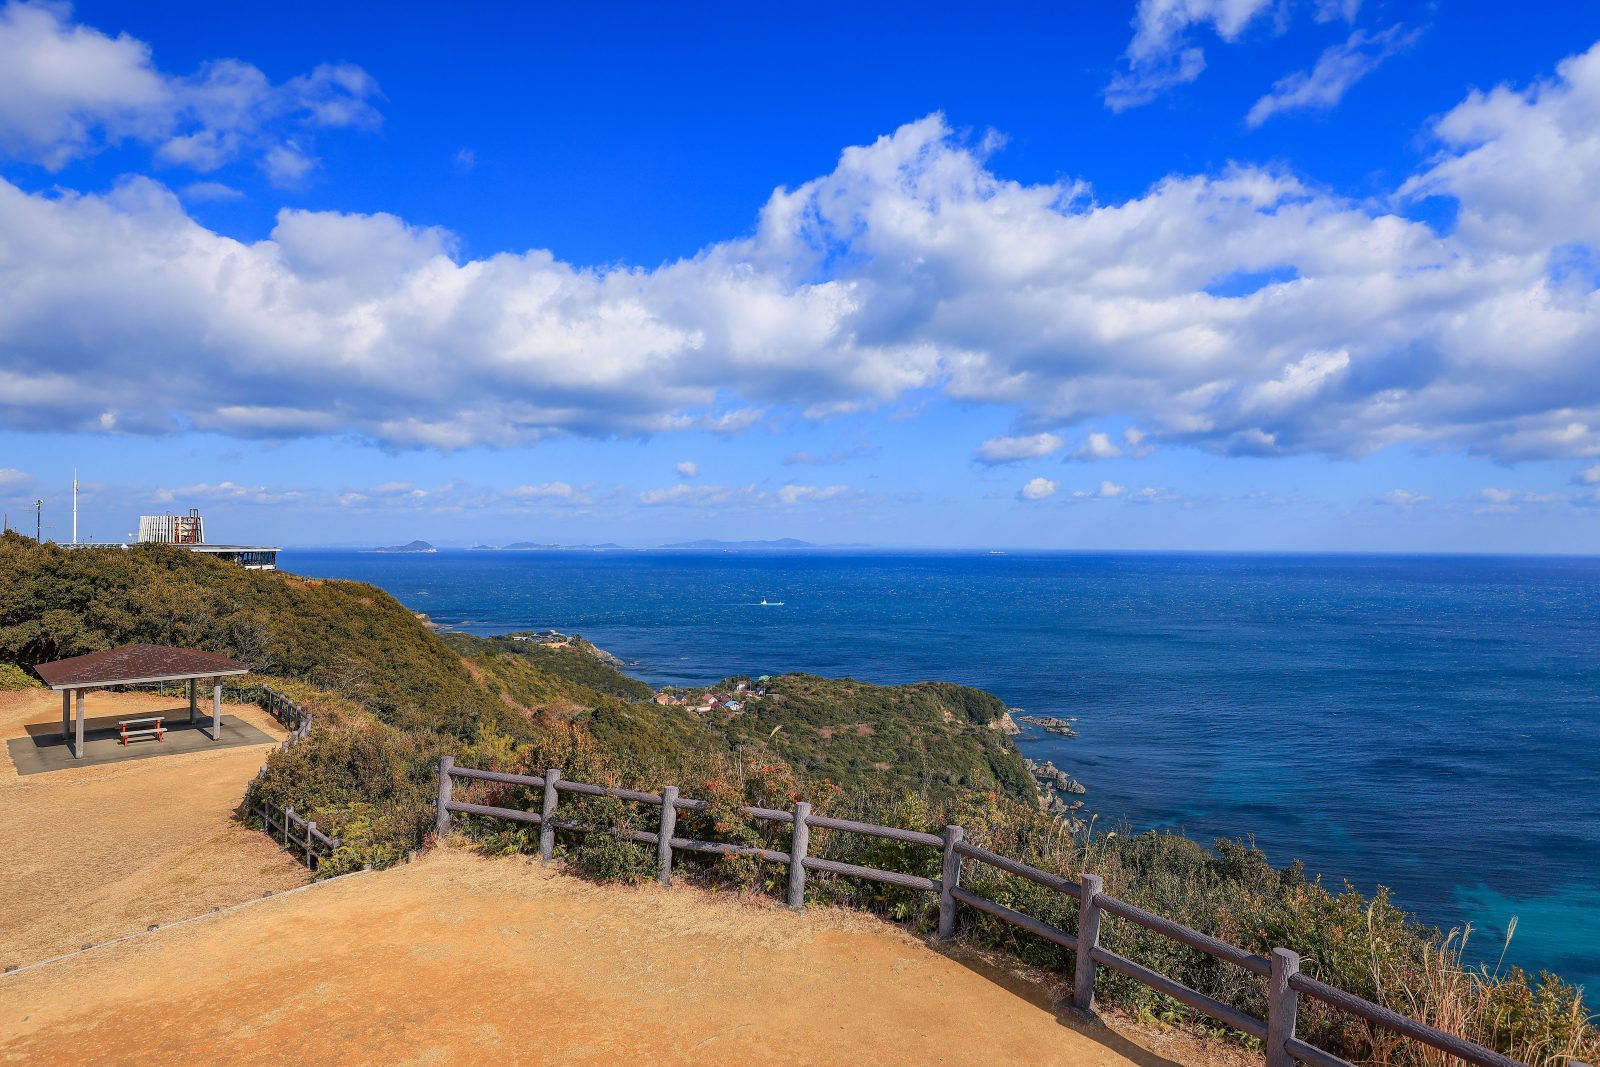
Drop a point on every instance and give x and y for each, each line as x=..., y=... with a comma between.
x=74, y=505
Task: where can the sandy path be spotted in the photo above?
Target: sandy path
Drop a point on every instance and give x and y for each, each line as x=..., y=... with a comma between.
x=460, y=959
x=93, y=853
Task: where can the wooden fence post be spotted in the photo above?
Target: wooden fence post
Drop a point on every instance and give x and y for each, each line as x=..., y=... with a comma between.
x=1088, y=940
x=311, y=838
x=547, y=832
x=287, y=811
x=1283, y=1005
x=949, y=876
x=441, y=818
x=799, y=845
x=669, y=825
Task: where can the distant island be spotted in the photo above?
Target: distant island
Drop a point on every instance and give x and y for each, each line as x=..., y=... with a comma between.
x=535, y=546
x=414, y=546
x=782, y=544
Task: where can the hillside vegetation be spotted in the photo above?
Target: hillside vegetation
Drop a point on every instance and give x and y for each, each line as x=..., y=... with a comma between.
x=348, y=637
x=578, y=662
x=934, y=739
x=390, y=697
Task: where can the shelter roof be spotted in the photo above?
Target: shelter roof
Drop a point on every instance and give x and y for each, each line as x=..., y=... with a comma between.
x=136, y=663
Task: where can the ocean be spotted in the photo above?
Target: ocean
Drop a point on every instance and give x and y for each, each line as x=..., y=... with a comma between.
x=1431, y=724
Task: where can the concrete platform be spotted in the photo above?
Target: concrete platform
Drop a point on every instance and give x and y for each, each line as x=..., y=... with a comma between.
x=44, y=749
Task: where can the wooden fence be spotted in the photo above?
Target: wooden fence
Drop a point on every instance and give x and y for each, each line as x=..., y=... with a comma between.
x=295, y=719
x=311, y=846
x=1285, y=985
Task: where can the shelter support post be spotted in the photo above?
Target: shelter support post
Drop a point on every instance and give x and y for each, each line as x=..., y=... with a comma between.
x=66, y=714
x=77, y=749
x=192, y=702
x=216, y=710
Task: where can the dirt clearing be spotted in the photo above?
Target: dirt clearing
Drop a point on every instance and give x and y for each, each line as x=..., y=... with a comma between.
x=460, y=959
x=97, y=852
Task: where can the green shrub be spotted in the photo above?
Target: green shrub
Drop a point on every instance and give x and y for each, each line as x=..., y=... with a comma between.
x=603, y=854
x=13, y=677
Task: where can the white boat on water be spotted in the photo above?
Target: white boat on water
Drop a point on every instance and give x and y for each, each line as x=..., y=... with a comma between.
x=765, y=603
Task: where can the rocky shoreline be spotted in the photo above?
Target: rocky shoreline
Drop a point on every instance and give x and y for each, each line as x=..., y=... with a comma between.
x=1063, y=727
x=1055, y=785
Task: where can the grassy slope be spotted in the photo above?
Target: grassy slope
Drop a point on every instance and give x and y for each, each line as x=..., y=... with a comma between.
x=354, y=641
x=579, y=663
x=933, y=739
x=347, y=637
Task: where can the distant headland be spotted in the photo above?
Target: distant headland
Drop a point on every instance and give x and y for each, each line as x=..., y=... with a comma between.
x=414, y=546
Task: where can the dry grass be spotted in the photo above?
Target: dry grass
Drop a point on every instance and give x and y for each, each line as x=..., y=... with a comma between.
x=1466, y=1000
x=457, y=958
x=1364, y=945
x=98, y=852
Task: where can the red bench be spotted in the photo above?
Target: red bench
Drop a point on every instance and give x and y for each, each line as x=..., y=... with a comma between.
x=158, y=731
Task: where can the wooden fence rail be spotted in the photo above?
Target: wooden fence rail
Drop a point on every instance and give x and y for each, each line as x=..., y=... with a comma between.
x=1284, y=983
x=312, y=846
x=294, y=718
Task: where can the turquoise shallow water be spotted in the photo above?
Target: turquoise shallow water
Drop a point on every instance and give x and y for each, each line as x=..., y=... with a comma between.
x=1427, y=723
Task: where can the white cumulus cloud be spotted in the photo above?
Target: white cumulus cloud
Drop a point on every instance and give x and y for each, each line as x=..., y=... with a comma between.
x=1403, y=498
x=999, y=450
x=1106, y=490
x=1523, y=163
x=1136, y=443
x=67, y=89
x=688, y=469
x=911, y=268
x=1037, y=489
x=791, y=494
x=1097, y=446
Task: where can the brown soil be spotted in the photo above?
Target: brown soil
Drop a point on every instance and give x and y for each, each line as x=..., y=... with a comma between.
x=93, y=853
x=457, y=959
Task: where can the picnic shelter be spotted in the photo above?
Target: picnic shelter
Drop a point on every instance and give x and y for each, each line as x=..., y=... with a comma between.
x=137, y=665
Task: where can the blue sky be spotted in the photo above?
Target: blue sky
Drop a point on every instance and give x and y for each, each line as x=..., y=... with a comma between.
x=1170, y=274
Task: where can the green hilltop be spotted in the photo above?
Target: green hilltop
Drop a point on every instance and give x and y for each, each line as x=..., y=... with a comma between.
x=354, y=641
